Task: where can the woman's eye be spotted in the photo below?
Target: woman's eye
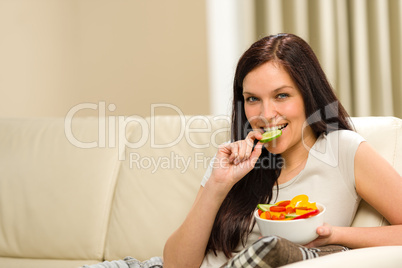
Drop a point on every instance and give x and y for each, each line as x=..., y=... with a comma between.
x=252, y=99
x=282, y=96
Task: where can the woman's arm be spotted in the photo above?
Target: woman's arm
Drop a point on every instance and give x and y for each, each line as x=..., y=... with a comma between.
x=380, y=185
x=186, y=246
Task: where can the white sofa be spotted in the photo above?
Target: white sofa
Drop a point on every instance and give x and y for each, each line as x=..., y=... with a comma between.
x=81, y=191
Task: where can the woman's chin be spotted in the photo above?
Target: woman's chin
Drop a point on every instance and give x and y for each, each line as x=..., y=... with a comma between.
x=273, y=147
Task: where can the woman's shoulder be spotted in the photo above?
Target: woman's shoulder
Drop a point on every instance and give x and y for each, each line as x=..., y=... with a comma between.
x=335, y=146
x=344, y=135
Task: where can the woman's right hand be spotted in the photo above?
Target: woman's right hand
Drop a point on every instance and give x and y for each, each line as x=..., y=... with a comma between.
x=234, y=160
x=186, y=246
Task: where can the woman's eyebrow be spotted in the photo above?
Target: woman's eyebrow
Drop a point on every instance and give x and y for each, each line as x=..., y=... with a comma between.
x=274, y=91
x=282, y=87
x=247, y=93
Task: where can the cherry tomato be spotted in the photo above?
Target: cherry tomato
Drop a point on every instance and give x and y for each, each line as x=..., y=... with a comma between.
x=265, y=215
x=259, y=212
x=283, y=203
x=289, y=210
x=277, y=209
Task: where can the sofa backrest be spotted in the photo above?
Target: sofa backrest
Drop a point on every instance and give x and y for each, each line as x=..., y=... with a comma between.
x=55, y=196
x=96, y=189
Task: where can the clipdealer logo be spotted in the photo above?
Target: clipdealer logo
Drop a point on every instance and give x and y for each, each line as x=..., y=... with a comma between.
x=112, y=129
x=172, y=161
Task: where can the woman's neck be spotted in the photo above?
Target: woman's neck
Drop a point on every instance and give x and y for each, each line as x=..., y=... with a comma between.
x=295, y=158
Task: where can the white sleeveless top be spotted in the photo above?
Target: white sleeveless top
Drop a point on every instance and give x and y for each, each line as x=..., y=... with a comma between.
x=327, y=178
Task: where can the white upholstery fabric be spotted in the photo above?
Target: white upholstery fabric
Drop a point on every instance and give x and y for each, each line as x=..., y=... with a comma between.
x=389, y=257
x=43, y=263
x=54, y=197
x=384, y=134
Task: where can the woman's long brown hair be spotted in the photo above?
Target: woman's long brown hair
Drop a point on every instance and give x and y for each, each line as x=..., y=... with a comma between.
x=234, y=220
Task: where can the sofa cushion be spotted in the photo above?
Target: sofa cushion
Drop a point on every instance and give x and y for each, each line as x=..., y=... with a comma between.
x=374, y=257
x=43, y=263
x=54, y=196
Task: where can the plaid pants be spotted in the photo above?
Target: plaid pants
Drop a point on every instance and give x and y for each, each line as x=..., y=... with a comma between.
x=129, y=262
x=273, y=251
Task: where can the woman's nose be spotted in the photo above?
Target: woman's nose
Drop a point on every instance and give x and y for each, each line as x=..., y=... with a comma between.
x=268, y=111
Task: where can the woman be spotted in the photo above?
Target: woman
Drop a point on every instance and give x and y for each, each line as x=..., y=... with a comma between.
x=279, y=84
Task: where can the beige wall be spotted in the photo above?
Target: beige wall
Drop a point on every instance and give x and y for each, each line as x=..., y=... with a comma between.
x=56, y=54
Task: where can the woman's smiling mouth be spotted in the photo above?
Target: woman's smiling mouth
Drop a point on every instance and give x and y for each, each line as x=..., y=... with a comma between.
x=280, y=127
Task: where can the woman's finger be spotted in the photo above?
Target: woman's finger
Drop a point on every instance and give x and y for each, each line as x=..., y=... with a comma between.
x=234, y=152
x=246, y=146
x=251, y=137
x=256, y=153
x=242, y=150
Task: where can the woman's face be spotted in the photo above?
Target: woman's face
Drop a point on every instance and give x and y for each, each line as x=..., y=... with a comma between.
x=272, y=100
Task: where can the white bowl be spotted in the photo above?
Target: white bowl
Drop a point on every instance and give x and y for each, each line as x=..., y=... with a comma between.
x=300, y=231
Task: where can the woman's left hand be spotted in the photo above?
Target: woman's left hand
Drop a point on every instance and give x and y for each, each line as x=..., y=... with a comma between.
x=325, y=234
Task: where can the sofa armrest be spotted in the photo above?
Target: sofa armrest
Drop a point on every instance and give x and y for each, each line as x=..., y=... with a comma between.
x=374, y=257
